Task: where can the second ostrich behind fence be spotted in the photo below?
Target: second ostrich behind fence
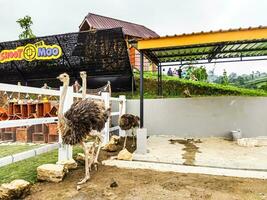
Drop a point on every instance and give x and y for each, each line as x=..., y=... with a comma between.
x=127, y=122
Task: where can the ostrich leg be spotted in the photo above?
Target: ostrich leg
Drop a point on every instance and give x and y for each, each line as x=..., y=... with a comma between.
x=124, y=144
x=87, y=173
x=99, y=138
x=133, y=134
x=92, y=151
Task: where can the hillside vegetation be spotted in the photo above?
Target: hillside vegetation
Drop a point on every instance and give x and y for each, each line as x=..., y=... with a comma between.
x=175, y=87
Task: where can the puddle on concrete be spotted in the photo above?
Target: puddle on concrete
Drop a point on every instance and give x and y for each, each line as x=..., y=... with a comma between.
x=190, y=149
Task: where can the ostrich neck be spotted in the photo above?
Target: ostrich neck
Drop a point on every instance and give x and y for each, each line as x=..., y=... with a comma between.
x=84, y=86
x=62, y=100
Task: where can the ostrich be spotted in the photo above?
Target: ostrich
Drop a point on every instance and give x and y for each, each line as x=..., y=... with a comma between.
x=127, y=122
x=99, y=137
x=79, y=121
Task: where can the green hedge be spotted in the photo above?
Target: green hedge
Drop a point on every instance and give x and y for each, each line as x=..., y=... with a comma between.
x=174, y=87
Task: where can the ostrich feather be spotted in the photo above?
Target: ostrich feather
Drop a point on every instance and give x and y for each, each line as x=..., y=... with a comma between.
x=83, y=117
x=128, y=121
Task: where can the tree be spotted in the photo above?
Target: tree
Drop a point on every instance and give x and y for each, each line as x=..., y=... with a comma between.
x=240, y=81
x=232, y=77
x=225, y=80
x=252, y=75
x=25, y=23
x=200, y=73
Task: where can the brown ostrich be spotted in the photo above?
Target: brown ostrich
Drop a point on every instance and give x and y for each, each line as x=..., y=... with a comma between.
x=80, y=120
x=127, y=122
x=99, y=136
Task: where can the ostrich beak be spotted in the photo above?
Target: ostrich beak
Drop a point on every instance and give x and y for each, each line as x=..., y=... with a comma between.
x=58, y=77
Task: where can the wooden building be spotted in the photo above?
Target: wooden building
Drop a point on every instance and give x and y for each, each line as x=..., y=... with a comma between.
x=130, y=30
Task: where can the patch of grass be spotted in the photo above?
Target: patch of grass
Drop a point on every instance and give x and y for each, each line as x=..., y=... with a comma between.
x=26, y=169
x=6, y=150
x=174, y=87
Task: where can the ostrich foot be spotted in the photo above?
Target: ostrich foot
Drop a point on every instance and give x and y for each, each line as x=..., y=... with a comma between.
x=86, y=178
x=96, y=164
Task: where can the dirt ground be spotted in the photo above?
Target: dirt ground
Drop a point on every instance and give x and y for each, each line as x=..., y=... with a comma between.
x=146, y=184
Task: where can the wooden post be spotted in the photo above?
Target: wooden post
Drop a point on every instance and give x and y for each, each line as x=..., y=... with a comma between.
x=19, y=84
x=122, y=111
x=65, y=151
x=106, y=98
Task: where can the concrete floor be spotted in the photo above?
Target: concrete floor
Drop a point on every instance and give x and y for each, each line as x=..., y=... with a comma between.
x=212, y=152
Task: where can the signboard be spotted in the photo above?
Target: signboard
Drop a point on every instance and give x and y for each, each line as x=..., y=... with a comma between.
x=31, y=52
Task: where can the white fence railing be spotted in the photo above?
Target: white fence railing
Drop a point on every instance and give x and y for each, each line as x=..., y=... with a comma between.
x=65, y=151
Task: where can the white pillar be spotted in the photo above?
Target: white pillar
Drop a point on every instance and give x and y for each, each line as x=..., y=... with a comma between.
x=141, y=140
x=106, y=98
x=65, y=151
x=122, y=110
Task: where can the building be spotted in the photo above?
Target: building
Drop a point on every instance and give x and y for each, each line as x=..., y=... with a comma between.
x=130, y=30
x=103, y=54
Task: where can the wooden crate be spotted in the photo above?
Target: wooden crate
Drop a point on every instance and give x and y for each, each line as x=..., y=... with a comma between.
x=52, y=138
x=10, y=108
x=39, y=137
x=40, y=109
x=23, y=135
x=52, y=129
x=8, y=136
x=1, y=131
x=3, y=114
x=12, y=129
x=24, y=111
x=52, y=133
x=47, y=108
x=31, y=108
x=16, y=109
x=40, y=133
x=43, y=109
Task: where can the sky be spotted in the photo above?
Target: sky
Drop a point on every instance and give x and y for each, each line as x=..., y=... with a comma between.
x=166, y=17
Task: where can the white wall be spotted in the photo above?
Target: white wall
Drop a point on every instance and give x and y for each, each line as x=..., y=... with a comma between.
x=204, y=116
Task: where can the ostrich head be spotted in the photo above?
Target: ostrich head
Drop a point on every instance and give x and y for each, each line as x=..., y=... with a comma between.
x=83, y=74
x=64, y=78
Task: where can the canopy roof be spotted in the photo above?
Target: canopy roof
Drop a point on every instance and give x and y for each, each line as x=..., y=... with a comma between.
x=222, y=44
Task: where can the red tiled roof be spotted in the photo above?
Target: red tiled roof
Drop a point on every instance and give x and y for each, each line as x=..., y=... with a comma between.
x=102, y=22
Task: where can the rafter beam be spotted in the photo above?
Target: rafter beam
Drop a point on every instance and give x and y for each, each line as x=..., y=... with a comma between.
x=203, y=38
x=215, y=51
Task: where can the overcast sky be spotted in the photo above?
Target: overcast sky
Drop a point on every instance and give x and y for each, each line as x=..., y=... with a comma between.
x=166, y=17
